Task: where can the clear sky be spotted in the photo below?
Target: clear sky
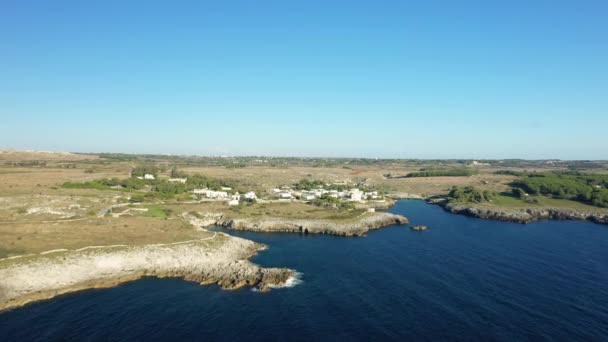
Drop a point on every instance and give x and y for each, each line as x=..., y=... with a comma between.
x=408, y=79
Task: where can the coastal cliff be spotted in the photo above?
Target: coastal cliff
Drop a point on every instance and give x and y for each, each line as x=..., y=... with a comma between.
x=221, y=260
x=356, y=227
x=523, y=215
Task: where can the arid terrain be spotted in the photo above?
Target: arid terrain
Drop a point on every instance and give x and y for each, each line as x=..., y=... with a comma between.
x=58, y=238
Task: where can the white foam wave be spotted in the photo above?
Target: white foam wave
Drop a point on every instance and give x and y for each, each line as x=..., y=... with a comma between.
x=290, y=282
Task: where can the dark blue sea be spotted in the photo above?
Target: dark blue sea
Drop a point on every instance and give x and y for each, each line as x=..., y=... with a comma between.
x=462, y=279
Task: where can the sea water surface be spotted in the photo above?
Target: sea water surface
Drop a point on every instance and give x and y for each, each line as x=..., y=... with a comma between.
x=462, y=279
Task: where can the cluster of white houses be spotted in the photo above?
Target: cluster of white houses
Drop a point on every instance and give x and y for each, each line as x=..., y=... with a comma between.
x=149, y=176
x=223, y=195
x=286, y=193
x=354, y=195
x=146, y=176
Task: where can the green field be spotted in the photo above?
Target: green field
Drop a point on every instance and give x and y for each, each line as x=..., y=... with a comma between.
x=156, y=211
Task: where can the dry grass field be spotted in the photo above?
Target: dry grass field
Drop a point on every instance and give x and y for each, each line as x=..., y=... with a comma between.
x=265, y=178
x=38, y=214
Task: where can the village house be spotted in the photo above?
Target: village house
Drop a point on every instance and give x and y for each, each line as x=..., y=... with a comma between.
x=148, y=176
x=178, y=180
x=211, y=193
x=371, y=195
x=233, y=202
x=250, y=195
x=285, y=195
x=356, y=195
x=307, y=196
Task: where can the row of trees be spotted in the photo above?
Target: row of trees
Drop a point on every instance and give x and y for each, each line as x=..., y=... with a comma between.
x=443, y=173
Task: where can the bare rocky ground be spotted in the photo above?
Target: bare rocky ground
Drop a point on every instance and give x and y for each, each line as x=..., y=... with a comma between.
x=220, y=259
x=522, y=215
x=356, y=227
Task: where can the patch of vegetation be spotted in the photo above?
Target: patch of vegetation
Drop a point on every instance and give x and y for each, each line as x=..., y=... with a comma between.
x=235, y=165
x=328, y=201
x=118, y=156
x=310, y=184
x=469, y=194
x=198, y=181
x=159, y=188
x=176, y=173
x=157, y=211
x=443, y=173
x=510, y=173
x=140, y=171
x=108, y=183
x=586, y=188
x=98, y=185
x=30, y=163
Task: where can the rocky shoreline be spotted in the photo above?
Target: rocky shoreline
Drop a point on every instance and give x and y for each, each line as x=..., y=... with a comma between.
x=359, y=227
x=222, y=261
x=522, y=215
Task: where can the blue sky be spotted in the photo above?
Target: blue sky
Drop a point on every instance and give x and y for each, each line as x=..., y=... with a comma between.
x=406, y=79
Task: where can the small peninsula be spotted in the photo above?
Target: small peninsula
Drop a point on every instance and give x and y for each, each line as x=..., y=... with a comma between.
x=71, y=222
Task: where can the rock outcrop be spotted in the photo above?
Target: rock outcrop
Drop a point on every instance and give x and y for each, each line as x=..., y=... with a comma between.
x=525, y=215
x=221, y=260
x=353, y=227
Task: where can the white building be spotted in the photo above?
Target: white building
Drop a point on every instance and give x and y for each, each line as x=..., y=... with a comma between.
x=148, y=176
x=236, y=196
x=178, y=180
x=250, y=195
x=285, y=195
x=307, y=196
x=356, y=195
x=233, y=202
x=225, y=188
x=210, y=193
x=371, y=195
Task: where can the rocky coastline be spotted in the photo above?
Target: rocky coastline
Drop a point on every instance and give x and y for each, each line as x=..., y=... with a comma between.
x=221, y=260
x=522, y=215
x=356, y=227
